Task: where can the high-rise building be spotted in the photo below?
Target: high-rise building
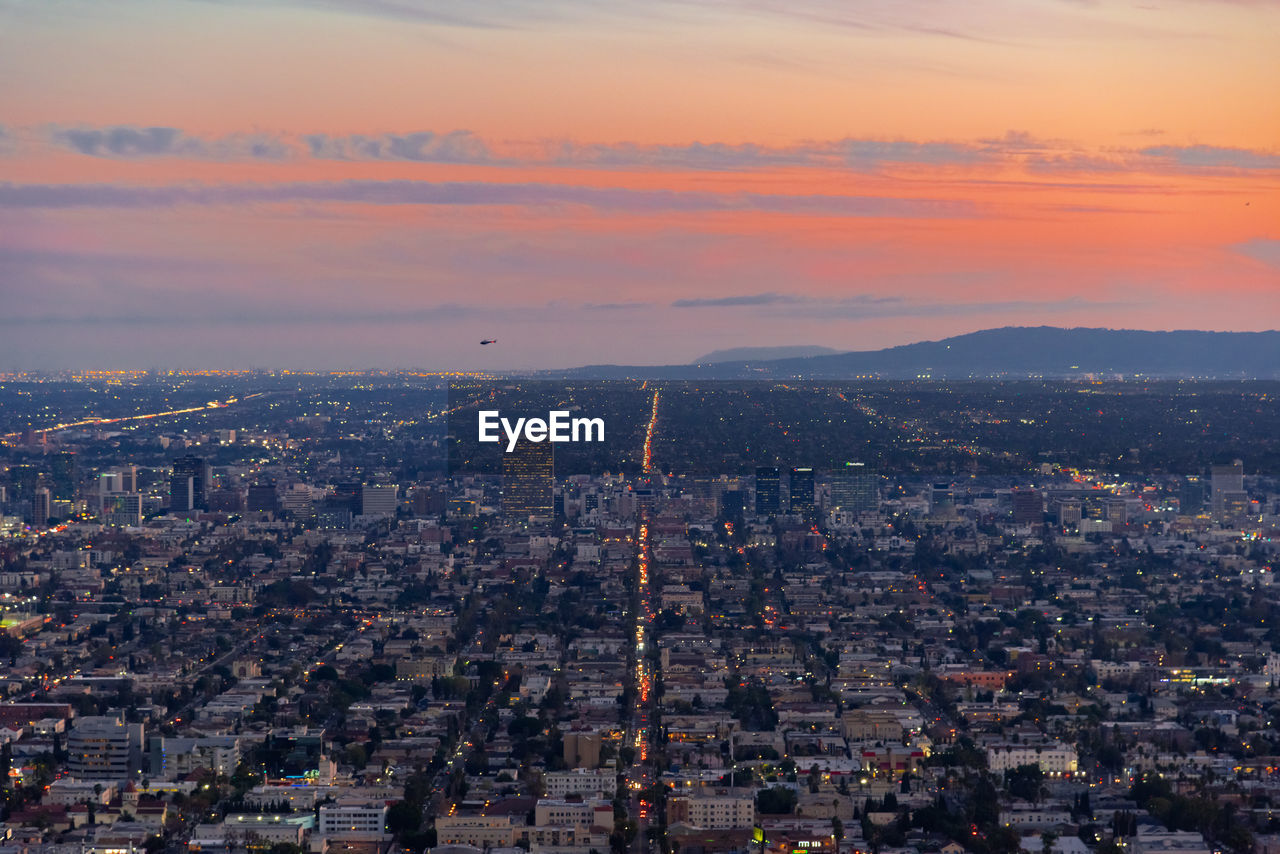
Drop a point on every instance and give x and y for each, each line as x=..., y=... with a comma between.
x=855, y=487
x=942, y=501
x=121, y=509
x=104, y=748
x=63, y=475
x=182, y=493
x=262, y=498
x=1070, y=511
x=1227, y=478
x=1028, y=507
x=41, y=506
x=1117, y=512
x=297, y=501
x=128, y=478
x=1191, y=495
x=379, y=500
x=461, y=508
x=768, y=491
x=800, y=499
x=427, y=502
x=1235, y=504
x=334, y=513
x=528, y=480
x=347, y=492
x=189, y=484
x=226, y=500
x=644, y=497
x=703, y=493
x=25, y=479
x=1227, y=489
x=109, y=483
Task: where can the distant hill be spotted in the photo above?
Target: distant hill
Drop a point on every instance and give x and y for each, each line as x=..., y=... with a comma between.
x=1009, y=352
x=755, y=354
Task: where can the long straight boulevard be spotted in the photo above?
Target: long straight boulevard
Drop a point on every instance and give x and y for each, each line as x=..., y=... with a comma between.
x=643, y=739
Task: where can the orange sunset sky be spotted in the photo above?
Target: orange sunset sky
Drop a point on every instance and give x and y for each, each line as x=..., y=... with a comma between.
x=382, y=183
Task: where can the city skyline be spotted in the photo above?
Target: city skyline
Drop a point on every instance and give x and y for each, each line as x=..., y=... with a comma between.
x=355, y=184
x=297, y=611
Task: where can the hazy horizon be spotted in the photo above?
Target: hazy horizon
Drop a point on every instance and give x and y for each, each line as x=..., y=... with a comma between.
x=463, y=368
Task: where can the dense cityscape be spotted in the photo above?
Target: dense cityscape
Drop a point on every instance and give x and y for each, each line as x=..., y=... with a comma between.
x=639, y=427
x=284, y=612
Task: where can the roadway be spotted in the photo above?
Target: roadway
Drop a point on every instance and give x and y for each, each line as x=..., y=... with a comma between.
x=640, y=734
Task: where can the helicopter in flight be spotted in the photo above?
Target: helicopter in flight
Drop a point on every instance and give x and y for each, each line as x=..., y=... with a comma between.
x=489, y=341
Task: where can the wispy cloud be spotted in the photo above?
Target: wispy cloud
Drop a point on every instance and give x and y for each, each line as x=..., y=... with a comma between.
x=1155, y=160
x=1016, y=148
x=616, y=306
x=59, y=196
x=873, y=305
x=869, y=152
x=1213, y=157
x=738, y=300
x=422, y=147
x=1081, y=162
x=856, y=154
x=493, y=13
x=712, y=156
x=127, y=142
x=462, y=146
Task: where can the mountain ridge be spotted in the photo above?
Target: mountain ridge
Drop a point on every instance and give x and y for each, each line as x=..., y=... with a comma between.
x=1008, y=352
